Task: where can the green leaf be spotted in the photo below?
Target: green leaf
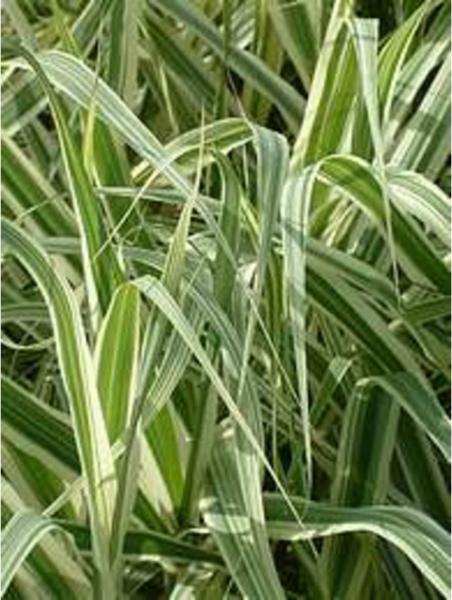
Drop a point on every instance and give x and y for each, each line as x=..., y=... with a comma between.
x=22, y=533
x=335, y=76
x=295, y=207
x=299, y=28
x=102, y=270
x=117, y=359
x=244, y=63
x=38, y=429
x=123, y=56
x=148, y=546
x=361, y=478
x=415, y=534
x=78, y=375
x=362, y=185
x=237, y=532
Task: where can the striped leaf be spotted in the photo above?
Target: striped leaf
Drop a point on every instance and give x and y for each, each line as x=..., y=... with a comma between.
x=78, y=374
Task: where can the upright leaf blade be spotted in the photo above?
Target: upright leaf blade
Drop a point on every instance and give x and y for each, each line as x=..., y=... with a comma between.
x=78, y=375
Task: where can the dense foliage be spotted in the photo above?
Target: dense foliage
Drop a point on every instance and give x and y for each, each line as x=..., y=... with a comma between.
x=226, y=299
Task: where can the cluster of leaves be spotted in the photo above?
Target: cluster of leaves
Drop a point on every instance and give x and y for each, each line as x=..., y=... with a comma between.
x=226, y=299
